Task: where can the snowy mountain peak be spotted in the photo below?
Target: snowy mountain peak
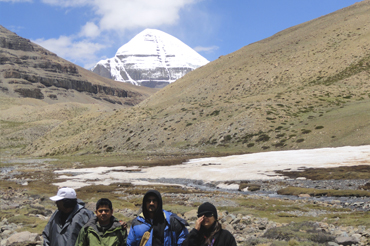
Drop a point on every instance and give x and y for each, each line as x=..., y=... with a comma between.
x=152, y=58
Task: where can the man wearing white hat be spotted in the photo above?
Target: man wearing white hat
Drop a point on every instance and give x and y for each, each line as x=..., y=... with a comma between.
x=66, y=222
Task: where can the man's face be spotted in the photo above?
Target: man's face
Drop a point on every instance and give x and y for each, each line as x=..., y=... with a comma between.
x=104, y=213
x=60, y=206
x=151, y=204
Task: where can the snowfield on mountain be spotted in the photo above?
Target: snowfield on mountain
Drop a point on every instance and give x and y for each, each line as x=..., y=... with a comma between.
x=152, y=58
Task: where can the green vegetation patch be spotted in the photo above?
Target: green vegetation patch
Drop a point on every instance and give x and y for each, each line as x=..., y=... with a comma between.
x=263, y=138
x=215, y=113
x=251, y=186
x=9, y=124
x=296, y=191
x=31, y=224
x=302, y=232
x=343, y=172
x=100, y=190
x=353, y=69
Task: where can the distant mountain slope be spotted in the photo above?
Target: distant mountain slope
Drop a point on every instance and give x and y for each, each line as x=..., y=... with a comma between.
x=39, y=91
x=305, y=87
x=28, y=70
x=152, y=58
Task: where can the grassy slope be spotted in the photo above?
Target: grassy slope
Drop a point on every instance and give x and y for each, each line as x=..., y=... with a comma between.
x=23, y=120
x=304, y=87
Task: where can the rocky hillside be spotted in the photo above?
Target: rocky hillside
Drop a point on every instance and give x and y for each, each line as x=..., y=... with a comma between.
x=27, y=70
x=305, y=87
x=39, y=90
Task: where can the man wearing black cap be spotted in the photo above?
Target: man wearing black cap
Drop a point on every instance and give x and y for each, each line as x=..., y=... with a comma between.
x=66, y=222
x=207, y=229
x=165, y=228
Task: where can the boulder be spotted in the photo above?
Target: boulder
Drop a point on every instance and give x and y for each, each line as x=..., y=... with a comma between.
x=332, y=244
x=23, y=237
x=346, y=240
x=304, y=195
x=191, y=215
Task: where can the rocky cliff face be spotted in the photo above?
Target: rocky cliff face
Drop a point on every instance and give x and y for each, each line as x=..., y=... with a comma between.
x=152, y=59
x=28, y=70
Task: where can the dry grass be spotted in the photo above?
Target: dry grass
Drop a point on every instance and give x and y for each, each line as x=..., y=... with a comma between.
x=307, y=91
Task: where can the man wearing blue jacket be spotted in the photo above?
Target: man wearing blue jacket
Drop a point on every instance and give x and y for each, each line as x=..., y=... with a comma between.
x=165, y=228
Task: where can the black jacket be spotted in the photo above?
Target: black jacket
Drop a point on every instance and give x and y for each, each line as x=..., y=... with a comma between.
x=222, y=238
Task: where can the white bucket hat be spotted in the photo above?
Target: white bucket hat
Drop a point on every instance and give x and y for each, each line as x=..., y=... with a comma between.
x=64, y=193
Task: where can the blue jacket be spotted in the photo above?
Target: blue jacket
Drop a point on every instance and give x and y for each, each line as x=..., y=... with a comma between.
x=175, y=231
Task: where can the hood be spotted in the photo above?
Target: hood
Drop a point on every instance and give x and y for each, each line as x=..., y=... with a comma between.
x=82, y=203
x=159, y=212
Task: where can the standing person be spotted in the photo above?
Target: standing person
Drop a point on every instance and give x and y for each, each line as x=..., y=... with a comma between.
x=103, y=229
x=207, y=230
x=66, y=222
x=165, y=228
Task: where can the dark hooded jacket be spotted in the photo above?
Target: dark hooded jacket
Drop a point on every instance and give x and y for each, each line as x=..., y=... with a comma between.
x=165, y=229
x=221, y=238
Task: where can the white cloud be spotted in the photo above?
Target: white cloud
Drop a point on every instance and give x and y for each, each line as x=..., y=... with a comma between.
x=206, y=49
x=111, y=17
x=81, y=51
x=120, y=15
x=90, y=30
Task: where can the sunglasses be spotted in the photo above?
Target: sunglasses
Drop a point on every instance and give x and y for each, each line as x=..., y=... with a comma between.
x=206, y=215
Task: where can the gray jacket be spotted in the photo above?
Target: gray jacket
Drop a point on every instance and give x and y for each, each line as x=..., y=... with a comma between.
x=55, y=234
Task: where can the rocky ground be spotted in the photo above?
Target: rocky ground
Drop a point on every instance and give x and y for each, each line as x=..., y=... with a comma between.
x=21, y=208
x=247, y=229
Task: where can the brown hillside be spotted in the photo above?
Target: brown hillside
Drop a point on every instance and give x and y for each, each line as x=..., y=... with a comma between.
x=305, y=87
x=39, y=90
x=30, y=71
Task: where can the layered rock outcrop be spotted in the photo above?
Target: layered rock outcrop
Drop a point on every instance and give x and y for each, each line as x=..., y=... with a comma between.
x=28, y=70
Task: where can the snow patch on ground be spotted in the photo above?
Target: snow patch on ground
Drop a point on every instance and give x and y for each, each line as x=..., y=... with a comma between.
x=220, y=169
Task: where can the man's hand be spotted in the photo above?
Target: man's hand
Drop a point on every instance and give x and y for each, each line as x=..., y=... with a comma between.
x=123, y=224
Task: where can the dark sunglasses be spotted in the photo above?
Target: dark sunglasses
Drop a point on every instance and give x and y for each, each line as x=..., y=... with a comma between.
x=151, y=200
x=206, y=215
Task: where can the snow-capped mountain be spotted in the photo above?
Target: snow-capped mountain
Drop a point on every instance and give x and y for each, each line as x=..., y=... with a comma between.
x=152, y=58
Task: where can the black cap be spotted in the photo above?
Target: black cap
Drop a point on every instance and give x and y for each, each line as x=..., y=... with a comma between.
x=207, y=208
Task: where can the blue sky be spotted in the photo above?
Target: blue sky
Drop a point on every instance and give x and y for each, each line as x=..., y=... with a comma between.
x=86, y=31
